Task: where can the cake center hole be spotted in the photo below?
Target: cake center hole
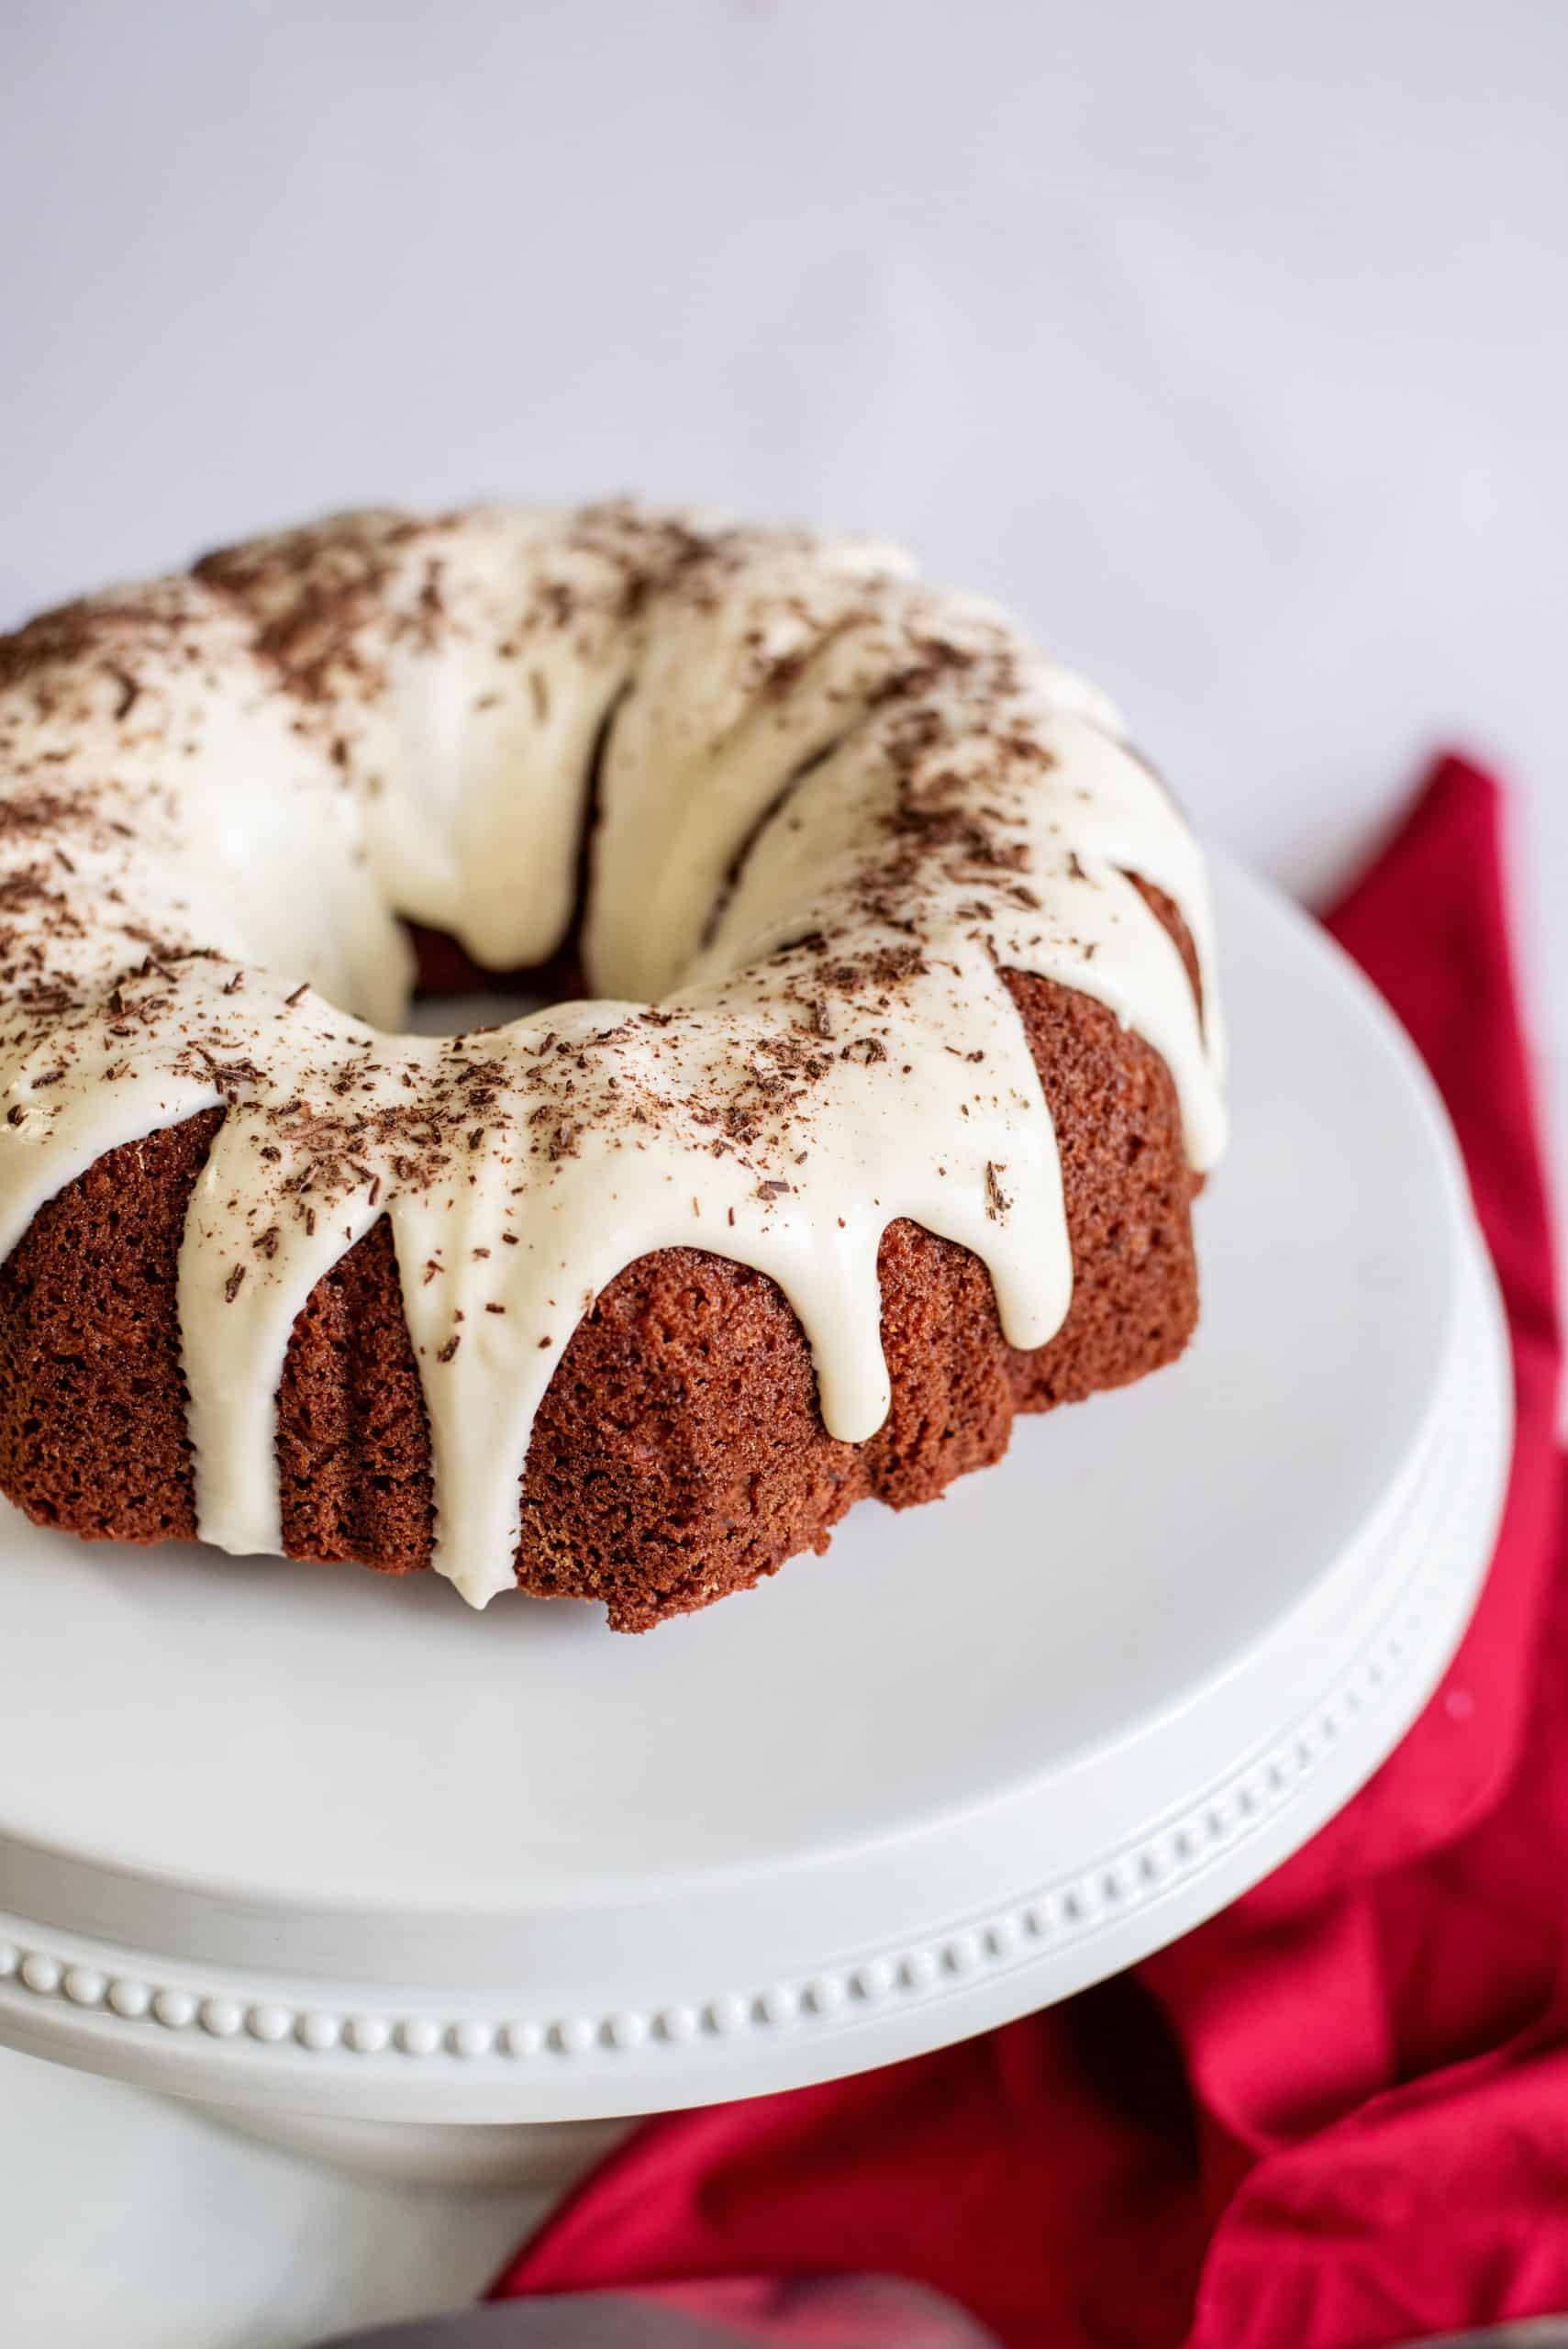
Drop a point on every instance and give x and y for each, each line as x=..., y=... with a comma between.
x=455, y=995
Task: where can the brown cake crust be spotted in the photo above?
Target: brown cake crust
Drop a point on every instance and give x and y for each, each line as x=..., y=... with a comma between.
x=679, y=1454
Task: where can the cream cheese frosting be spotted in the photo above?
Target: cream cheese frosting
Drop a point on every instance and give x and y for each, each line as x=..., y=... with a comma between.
x=806, y=809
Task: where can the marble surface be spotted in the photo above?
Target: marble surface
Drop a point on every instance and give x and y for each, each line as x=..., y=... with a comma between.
x=1230, y=344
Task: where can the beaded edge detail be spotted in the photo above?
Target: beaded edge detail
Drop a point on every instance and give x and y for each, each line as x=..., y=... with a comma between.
x=1044, y=1921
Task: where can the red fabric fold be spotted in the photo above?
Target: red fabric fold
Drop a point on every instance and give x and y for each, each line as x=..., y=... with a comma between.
x=1338, y=2114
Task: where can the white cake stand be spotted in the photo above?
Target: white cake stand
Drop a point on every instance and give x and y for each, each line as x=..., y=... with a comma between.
x=335, y=1853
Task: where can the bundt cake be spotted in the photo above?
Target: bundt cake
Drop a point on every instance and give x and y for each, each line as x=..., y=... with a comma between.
x=894, y=1070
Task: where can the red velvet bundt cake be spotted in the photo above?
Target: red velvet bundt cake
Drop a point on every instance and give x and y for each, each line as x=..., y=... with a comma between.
x=881, y=1122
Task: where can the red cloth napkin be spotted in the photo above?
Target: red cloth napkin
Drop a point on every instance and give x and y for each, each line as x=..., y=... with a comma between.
x=1338, y=2114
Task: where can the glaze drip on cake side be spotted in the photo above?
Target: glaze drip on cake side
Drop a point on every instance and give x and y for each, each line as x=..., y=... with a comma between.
x=830, y=808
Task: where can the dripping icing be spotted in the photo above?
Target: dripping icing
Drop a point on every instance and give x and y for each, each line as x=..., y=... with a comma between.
x=247, y=774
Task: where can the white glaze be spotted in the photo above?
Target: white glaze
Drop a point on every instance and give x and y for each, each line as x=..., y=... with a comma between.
x=377, y=718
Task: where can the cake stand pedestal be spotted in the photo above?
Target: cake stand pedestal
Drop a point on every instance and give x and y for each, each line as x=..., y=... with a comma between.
x=397, y=1883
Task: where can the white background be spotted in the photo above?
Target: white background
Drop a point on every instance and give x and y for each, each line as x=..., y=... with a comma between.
x=1228, y=341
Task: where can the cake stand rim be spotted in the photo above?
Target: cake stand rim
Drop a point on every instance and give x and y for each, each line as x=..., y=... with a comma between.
x=334, y=2037
x=246, y=2043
